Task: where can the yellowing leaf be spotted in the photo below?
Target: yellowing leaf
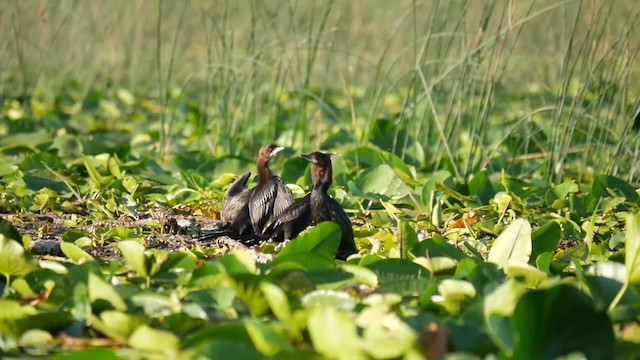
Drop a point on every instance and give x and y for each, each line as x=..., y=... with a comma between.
x=513, y=244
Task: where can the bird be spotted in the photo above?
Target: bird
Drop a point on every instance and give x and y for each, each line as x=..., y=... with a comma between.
x=315, y=207
x=324, y=207
x=247, y=211
x=234, y=214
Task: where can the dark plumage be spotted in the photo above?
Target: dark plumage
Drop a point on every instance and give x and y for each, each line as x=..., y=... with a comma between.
x=234, y=214
x=325, y=208
x=246, y=211
x=271, y=196
x=316, y=207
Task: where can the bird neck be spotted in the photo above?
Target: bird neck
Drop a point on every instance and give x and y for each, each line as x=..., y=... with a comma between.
x=322, y=178
x=264, y=173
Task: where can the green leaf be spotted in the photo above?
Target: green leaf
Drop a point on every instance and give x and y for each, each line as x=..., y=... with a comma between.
x=558, y=196
x=148, y=339
x=514, y=243
x=89, y=353
x=518, y=270
x=101, y=290
x=481, y=186
x=116, y=324
x=9, y=231
x=334, y=334
x=408, y=238
x=328, y=298
x=93, y=173
x=544, y=239
x=14, y=261
x=133, y=251
x=402, y=276
x=323, y=239
x=559, y=321
x=632, y=252
x=75, y=253
x=264, y=338
x=606, y=186
x=388, y=339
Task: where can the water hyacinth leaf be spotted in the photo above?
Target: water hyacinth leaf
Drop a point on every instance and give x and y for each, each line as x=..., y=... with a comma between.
x=518, y=270
x=278, y=302
x=145, y=338
x=247, y=289
x=334, y=334
x=101, y=290
x=480, y=185
x=408, y=238
x=361, y=274
x=402, y=276
x=75, y=253
x=328, y=298
x=323, y=239
x=606, y=186
x=14, y=260
x=89, y=353
x=116, y=324
x=133, y=252
x=387, y=339
x=9, y=231
x=544, y=239
x=559, y=321
x=632, y=255
x=264, y=338
x=558, y=196
x=514, y=243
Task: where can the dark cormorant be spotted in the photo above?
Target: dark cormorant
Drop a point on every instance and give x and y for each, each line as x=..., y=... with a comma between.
x=234, y=214
x=315, y=208
x=271, y=196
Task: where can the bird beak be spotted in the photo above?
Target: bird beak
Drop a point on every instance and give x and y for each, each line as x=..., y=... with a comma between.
x=275, y=151
x=309, y=158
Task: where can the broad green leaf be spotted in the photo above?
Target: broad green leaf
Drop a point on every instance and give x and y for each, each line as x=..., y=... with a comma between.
x=89, y=353
x=334, y=333
x=408, y=238
x=544, y=239
x=559, y=321
x=401, y=276
x=361, y=274
x=503, y=300
x=514, y=243
x=101, y=290
x=75, y=253
x=14, y=261
x=558, y=196
x=456, y=289
x=436, y=264
x=93, y=173
x=145, y=338
x=632, y=252
x=389, y=338
x=117, y=324
x=9, y=231
x=518, y=270
x=481, y=186
x=328, y=298
x=278, y=302
x=264, y=338
x=133, y=251
x=247, y=289
x=323, y=239
x=606, y=186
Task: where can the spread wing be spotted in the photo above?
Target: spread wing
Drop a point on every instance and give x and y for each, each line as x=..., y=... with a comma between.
x=261, y=205
x=284, y=197
x=235, y=199
x=292, y=220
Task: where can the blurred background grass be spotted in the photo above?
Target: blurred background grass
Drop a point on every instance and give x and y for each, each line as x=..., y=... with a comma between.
x=546, y=87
